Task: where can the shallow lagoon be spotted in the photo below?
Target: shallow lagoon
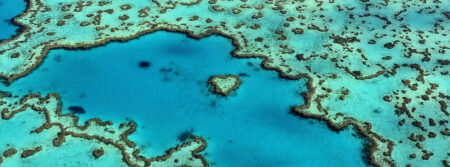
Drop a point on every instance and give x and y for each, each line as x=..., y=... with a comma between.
x=250, y=127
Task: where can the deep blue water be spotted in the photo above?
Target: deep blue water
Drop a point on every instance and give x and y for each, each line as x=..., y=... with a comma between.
x=9, y=9
x=250, y=127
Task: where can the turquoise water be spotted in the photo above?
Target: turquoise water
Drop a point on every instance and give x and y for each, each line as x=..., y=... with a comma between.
x=9, y=9
x=250, y=127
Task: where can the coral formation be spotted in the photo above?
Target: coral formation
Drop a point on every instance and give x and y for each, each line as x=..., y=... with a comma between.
x=9, y=152
x=223, y=85
x=98, y=153
x=27, y=153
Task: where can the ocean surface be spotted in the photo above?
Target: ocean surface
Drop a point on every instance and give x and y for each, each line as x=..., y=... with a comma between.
x=250, y=127
x=10, y=9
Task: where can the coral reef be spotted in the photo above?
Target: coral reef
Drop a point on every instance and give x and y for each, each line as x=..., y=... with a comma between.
x=381, y=66
x=105, y=133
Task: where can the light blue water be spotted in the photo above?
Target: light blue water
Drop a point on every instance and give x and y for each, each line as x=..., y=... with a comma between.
x=250, y=127
x=9, y=9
